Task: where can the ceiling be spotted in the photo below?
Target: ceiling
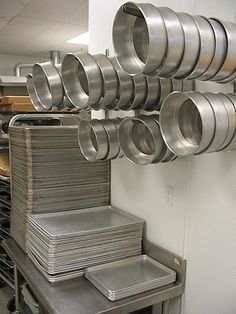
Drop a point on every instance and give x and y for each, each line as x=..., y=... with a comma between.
x=34, y=27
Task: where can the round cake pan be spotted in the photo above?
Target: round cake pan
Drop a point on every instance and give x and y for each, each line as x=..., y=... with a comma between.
x=125, y=87
x=32, y=93
x=109, y=79
x=187, y=123
x=175, y=43
x=220, y=51
x=139, y=139
x=207, y=47
x=230, y=108
x=139, y=92
x=48, y=84
x=93, y=141
x=138, y=33
x=229, y=66
x=232, y=144
x=191, y=45
x=82, y=79
x=222, y=122
x=112, y=135
x=153, y=92
x=177, y=85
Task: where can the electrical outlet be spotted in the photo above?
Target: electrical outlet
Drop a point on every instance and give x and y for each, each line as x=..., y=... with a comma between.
x=169, y=195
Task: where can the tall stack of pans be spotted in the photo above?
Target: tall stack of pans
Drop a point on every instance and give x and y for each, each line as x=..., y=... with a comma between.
x=98, y=82
x=63, y=244
x=157, y=41
x=50, y=174
x=195, y=123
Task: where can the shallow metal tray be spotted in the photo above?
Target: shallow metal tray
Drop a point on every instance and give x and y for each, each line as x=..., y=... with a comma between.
x=127, y=277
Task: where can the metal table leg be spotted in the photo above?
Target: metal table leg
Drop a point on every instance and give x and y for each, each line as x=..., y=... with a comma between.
x=165, y=307
x=17, y=290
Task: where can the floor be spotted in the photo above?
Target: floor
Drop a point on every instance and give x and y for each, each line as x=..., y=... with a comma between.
x=5, y=294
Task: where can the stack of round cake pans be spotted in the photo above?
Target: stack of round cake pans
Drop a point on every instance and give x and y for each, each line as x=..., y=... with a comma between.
x=141, y=140
x=158, y=41
x=97, y=82
x=195, y=123
x=45, y=88
x=98, y=139
x=65, y=243
x=49, y=173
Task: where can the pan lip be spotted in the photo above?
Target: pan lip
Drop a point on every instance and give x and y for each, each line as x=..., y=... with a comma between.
x=171, y=132
x=132, y=63
x=72, y=85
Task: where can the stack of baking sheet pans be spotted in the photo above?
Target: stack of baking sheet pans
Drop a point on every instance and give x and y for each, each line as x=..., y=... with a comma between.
x=50, y=174
x=124, y=278
x=63, y=244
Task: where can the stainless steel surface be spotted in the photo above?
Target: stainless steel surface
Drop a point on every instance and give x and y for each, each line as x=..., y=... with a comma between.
x=19, y=66
x=109, y=81
x=48, y=84
x=222, y=122
x=120, y=279
x=166, y=89
x=93, y=140
x=232, y=144
x=136, y=39
x=187, y=123
x=140, y=139
x=32, y=93
x=79, y=296
x=153, y=92
x=191, y=45
x=65, y=243
x=229, y=65
x=220, y=50
x=139, y=92
x=82, y=79
x=125, y=87
x=112, y=135
x=231, y=112
x=175, y=43
x=52, y=153
x=55, y=56
x=207, y=46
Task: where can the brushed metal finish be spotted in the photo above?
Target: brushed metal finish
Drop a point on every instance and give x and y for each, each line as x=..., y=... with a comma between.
x=220, y=51
x=93, y=140
x=229, y=66
x=232, y=144
x=109, y=81
x=175, y=43
x=32, y=93
x=139, y=92
x=222, y=122
x=191, y=45
x=48, y=84
x=125, y=87
x=181, y=137
x=112, y=135
x=123, y=40
x=166, y=89
x=230, y=108
x=153, y=92
x=140, y=139
x=207, y=46
x=82, y=79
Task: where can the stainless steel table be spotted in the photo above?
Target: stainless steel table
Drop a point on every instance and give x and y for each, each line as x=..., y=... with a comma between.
x=79, y=296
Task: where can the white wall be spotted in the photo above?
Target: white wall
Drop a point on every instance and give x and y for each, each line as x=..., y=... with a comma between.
x=7, y=63
x=201, y=223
